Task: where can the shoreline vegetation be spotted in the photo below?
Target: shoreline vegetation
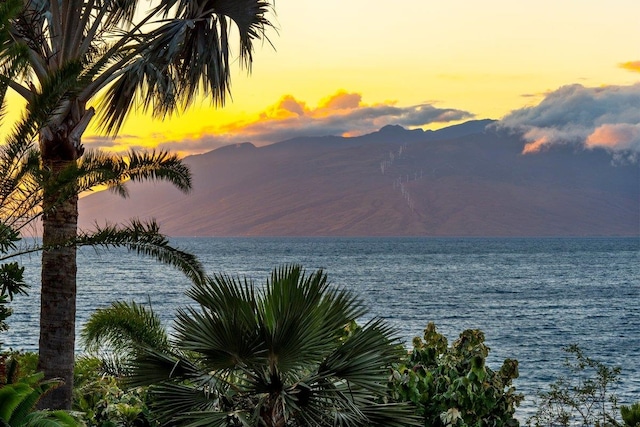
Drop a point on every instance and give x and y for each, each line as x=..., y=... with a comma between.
x=262, y=356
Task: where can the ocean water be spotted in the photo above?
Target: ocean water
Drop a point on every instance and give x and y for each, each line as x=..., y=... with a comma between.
x=530, y=296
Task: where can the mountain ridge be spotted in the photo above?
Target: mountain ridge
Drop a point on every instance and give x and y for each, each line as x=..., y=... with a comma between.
x=465, y=180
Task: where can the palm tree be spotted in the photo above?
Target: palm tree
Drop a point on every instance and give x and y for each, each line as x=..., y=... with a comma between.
x=158, y=57
x=23, y=183
x=278, y=355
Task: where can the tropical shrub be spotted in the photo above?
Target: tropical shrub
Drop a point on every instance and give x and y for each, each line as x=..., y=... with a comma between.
x=11, y=275
x=583, y=398
x=15, y=365
x=18, y=400
x=116, y=332
x=631, y=415
x=452, y=386
x=101, y=400
x=11, y=283
x=271, y=356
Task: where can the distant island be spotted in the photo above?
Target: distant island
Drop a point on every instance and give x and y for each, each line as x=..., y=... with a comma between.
x=464, y=180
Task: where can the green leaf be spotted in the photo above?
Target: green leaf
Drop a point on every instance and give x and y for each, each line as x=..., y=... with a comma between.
x=12, y=280
x=124, y=327
x=11, y=396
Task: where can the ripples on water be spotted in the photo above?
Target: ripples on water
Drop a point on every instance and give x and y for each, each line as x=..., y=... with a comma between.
x=531, y=297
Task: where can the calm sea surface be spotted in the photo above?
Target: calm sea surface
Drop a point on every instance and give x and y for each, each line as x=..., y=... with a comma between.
x=531, y=297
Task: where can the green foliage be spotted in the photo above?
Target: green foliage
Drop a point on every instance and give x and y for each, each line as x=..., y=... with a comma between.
x=18, y=400
x=143, y=238
x=452, y=386
x=15, y=365
x=12, y=280
x=115, y=332
x=101, y=400
x=8, y=238
x=287, y=354
x=584, y=397
x=631, y=415
x=21, y=388
x=11, y=283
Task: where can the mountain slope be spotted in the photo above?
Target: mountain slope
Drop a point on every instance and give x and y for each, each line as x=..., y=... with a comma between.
x=459, y=181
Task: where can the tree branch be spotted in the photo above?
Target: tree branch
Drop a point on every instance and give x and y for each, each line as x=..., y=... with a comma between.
x=23, y=91
x=77, y=38
x=71, y=12
x=38, y=64
x=105, y=77
x=91, y=33
x=54, y=32
x=79, y=129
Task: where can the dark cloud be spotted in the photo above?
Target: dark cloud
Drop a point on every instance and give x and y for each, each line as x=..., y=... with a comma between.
x=606, y=117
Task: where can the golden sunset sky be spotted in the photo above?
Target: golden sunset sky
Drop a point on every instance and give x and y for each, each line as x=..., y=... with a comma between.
x=352, y=66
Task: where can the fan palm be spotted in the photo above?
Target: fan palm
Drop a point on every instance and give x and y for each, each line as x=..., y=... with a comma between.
x=278, y=355
x=157, y=56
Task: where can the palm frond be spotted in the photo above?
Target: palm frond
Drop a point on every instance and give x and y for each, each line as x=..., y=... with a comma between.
x=330, y=405
x=124, y=327
x=303, y=317
x=159, y=165
x=391, y=415
x=120, y=13
x=97, y=168
x=150, y=366
x=143, y=238
x=187, y=54
x=13, y=56
x=215, y=419
x=17, y=402
x=225, y=331
x=131, y=89
x=47, y=418
x=250, y=18
x=364, y=358
x=20, y=189
x=224, y=340
x=170, y=399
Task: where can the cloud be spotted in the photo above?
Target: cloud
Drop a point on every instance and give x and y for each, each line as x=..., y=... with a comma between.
x=341, y=101
x=631, y=66
x=606, y=117
x=624, y=136
x=196, y=145
x=95, y=141
x=342, y=113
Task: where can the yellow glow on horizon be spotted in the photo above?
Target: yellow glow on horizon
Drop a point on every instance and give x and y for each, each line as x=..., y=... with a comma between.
x=487, y=58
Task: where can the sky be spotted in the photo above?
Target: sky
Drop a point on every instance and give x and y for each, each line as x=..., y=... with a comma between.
x=559, y=71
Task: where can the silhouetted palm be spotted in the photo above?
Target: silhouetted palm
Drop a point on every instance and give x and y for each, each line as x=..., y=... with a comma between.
x=279, y=355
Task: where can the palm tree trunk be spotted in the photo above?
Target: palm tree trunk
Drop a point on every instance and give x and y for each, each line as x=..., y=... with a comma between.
x=272, y=413
x=58, y=297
